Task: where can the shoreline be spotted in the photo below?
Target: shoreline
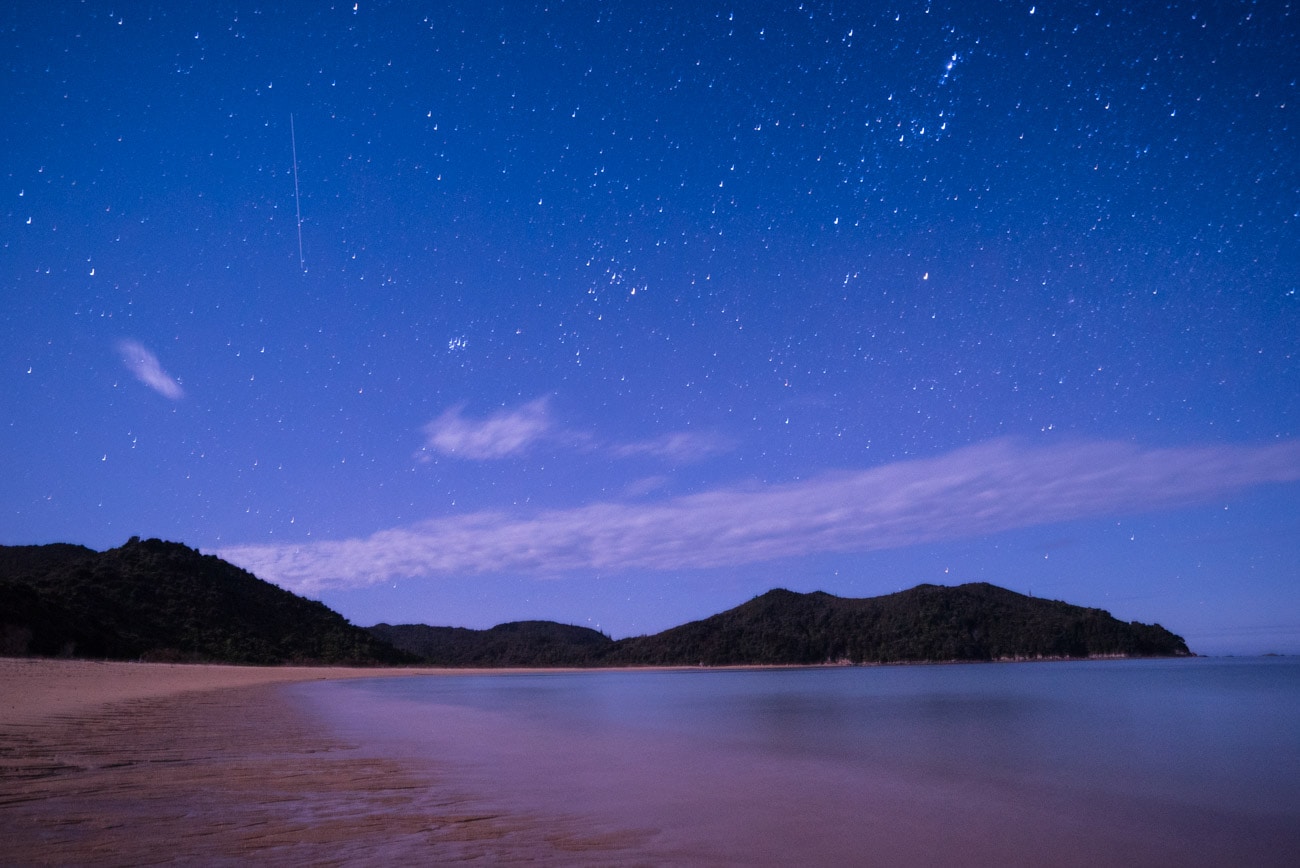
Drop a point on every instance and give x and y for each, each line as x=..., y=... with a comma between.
x=35, y=688
x=126, y=763
x=134, y=763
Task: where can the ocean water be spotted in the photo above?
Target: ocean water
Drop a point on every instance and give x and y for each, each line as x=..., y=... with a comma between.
x=1134, y=762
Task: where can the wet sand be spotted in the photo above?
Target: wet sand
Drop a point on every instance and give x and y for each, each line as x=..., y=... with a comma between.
x=135, y=764
x=140, y=764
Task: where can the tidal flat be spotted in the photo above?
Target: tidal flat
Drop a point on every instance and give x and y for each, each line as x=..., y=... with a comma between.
x=135, y=764
x=1190, y=762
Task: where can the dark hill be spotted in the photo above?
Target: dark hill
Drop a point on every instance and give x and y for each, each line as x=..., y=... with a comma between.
x=926, y=623
x=519, y=643
x=163, y=601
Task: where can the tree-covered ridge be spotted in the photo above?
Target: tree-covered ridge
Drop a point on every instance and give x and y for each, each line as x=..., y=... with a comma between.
x=163, y=601
x=927, y=623
x=519, y=643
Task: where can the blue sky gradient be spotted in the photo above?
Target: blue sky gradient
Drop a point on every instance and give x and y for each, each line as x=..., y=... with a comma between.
x=620, y=314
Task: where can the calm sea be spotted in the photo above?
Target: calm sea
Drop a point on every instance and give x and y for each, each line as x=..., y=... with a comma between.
x=1177, y=762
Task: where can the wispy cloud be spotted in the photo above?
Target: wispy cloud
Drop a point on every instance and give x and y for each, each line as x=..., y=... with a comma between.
x=500, y=435
x=681, y=447
x=511, y=432
x=973, y=491
x=146, y=368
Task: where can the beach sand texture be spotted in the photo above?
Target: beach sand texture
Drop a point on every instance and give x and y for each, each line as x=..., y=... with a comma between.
x=136, y=764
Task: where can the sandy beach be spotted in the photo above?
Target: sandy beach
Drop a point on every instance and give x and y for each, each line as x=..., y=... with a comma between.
x=139, y=764
x=126, y=763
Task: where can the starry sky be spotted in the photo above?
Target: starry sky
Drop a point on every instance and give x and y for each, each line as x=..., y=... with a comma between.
x=619, y=314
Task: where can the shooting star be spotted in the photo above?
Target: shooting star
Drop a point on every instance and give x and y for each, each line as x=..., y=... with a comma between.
x=297, y=202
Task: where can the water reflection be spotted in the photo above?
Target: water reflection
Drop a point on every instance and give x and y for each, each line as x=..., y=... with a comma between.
x=1199, y=756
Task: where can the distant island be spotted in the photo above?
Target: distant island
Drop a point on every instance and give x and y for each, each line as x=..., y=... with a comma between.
x=929, y=623
x=156, y=600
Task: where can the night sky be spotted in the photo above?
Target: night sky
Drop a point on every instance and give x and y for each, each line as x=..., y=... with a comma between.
x=619, y=314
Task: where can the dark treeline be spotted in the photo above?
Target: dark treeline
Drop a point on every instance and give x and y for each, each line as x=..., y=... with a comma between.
x=925, y=624
x=519, y=643
x=157, y=600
